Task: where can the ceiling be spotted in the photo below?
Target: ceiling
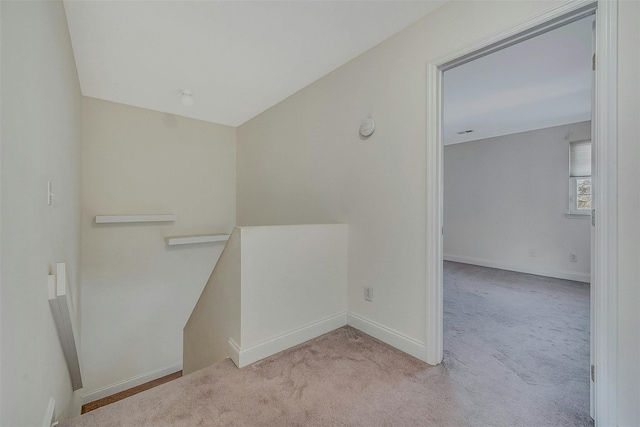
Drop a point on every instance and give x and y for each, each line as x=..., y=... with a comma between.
x=238, y=58
x=542, y=82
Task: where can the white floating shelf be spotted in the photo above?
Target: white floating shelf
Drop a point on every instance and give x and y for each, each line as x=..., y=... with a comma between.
x=202, y=238
x=108, y=219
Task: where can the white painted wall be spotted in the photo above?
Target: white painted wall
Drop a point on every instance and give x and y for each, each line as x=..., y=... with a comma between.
x=506, y=195
x=137, y=292
x=628, y=395
x=292, y=277
x=274, y=287
x=41, y=135
x=302, y=161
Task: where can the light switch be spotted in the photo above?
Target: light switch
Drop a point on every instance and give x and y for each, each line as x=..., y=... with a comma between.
x=49, y=193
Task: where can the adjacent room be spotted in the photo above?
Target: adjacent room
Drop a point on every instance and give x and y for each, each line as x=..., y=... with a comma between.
x=237, y=196
x=517, y=215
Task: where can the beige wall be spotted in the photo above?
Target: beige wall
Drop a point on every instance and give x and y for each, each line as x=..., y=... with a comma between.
x=216, y=316
x=137, y=292
x=299, y=162
x=302, y=161
x=506, y=195
x=41, y=133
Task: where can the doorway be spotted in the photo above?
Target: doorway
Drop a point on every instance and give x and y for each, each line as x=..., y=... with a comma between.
x=511, y=119
x=605, y=142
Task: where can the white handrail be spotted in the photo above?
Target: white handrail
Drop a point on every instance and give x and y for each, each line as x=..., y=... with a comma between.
x=61, y=303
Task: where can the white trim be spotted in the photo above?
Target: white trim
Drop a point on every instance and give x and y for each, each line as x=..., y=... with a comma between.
x=109, y=219
x=552, y=18
x=246, y=356
x=605, y=174
x=234, y=352
x=578, y=216
x=61, y=303
x=50, y=413
x=434, y=348
x=129, y=383
x=538, y=271
x=387, y=335
x=243, y=357
x=605, y=202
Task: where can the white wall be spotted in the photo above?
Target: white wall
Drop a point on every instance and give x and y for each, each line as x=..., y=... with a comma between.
x=506, y=195
x=303, y=162
x=292, y=277
x=137, y=292
x=273, y=288
x=628, y=215
x=41, y=134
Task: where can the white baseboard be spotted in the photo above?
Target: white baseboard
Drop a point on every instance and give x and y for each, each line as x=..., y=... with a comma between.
x=246, y=356
x=538, y=271
x=387, y=335
x=130, y=383
x=243, y=357
x=234, y=352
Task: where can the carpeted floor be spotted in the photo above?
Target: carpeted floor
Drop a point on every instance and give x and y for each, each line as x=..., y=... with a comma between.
x=516, y=354
x=517, y=346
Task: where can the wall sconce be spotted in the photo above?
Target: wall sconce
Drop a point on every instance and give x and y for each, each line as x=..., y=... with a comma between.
x=367, y=127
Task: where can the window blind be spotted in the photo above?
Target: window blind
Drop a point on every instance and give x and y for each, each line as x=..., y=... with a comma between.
x=580, y=158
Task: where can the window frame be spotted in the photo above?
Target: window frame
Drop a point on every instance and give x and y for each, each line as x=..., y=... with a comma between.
x=573, y=198
x=573, y=211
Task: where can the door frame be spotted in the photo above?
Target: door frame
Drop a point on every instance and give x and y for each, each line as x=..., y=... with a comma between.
x=604, y=115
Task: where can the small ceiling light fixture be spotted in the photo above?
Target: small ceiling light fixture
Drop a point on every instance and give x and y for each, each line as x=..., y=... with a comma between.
x=186, y=98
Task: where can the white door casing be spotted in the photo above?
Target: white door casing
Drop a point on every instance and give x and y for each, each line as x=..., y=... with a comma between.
x=604, y=277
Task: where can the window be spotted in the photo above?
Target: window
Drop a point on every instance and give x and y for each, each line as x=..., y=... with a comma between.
x=580, y=178
x=580, y=195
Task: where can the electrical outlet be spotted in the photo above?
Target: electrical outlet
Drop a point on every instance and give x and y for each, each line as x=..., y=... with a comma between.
x=368, y=293
x=532, y=253
x=573, y=257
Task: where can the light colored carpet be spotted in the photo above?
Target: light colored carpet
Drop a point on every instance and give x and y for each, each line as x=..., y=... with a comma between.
x=346, y=378
x=517, y=346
